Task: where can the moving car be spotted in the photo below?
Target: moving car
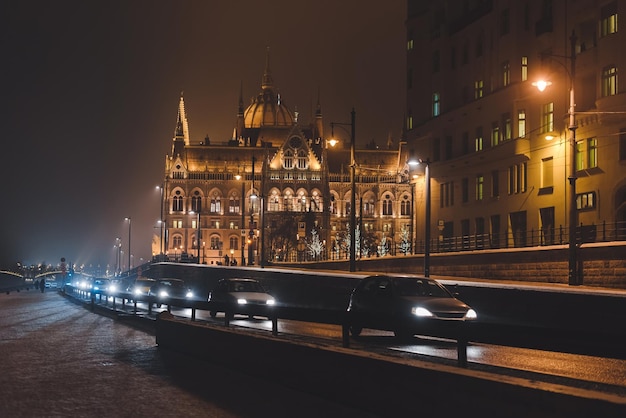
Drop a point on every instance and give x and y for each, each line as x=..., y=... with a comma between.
x=165, y=289
x=140, y=288
x=101, y=286
x=406, y=305
x=240, y=296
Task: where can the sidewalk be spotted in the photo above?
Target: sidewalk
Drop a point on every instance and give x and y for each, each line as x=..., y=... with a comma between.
x=58, y=359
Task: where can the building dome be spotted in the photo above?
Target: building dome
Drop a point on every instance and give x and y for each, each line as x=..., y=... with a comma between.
x=267, y=109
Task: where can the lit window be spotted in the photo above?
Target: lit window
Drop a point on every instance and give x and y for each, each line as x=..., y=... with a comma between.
x=436, y=104
x=608, y=19
x=592, y=152
x=495, y=134
x=480, y=183
x=547, y=117
x=609, y=81
x=547, y=172
x=506, y=73
x=521, y=123
x=478, y=89
x=288, y=159
x=524, y=68
x=478, y=141
x=586, y=201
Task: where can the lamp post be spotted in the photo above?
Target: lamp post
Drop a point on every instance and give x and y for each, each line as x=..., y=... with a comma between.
x=198, y=232
x=243, y=214
x=118, y=244
x=161, y=222
x=413, y=162
x=573, y=277
x=128, y=219
x=353, y=187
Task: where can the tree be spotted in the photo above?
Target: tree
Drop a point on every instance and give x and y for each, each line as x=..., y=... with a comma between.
x=315, y=246
x=383, y=247
x=405, y=241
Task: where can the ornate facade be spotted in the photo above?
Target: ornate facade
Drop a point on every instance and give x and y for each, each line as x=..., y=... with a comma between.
x=277, y=191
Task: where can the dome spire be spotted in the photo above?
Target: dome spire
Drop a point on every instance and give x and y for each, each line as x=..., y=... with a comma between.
x=267, y=83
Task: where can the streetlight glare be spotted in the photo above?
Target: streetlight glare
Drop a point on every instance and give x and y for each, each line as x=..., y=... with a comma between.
x=542, y=84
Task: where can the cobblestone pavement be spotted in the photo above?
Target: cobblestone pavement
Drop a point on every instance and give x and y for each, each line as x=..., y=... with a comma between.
x=58, y=359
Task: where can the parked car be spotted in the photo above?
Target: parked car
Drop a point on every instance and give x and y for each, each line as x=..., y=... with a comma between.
x=405, y=305
x=241, y=296
x=165, y=289
x=140, y=288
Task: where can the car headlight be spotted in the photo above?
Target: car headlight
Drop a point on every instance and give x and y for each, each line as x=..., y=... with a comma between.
x=189, y=294
x=242, y=301
x=421, y=312
x=471, y=314
x=112, y=288
x=137, y=291
x=163, y=294
x=270, y=302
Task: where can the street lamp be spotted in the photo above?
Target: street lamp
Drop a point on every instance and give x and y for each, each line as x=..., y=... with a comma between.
x=414, y=162
x=128, y=219
x=353, y=187
x=573, y=277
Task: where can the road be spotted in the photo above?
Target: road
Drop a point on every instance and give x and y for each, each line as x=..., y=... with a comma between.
x=59, y=360
x=607, y=375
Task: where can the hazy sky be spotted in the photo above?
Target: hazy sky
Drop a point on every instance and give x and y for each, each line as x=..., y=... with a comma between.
x=90, y=91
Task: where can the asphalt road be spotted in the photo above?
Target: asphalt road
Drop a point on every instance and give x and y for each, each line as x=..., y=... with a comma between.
x=58, y=359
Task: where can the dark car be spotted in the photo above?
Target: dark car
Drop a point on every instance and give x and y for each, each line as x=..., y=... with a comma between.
x=405, y=305
x=241, y=296
x=140, y=288
x=101, y=286
x=165, y=289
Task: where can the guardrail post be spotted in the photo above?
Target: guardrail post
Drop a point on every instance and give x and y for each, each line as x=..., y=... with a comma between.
x=193, y=314
x=462, y=346
x=227, y=319
x=345, y=335
x=135, y=306
x=93, y=301
x=114, y=302
x=274, y=324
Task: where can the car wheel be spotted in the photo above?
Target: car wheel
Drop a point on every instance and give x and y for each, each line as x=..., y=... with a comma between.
x=213, y=314
x=355, y=330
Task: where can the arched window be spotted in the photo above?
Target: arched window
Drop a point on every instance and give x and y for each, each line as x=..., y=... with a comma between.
x=196, y=202
x=288, y=159
x=274, y=203
x=215, y=243
x=177, y=241
x=316, y=202
x=302, y=159
x=368, y=207
x=387, y=205
x=177, y=202
x=234, y=243
x=405, y=206
x=288, y=201
x=216, y=203
x=233, y=203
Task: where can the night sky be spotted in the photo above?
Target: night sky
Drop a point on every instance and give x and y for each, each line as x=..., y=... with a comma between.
x=90, y=91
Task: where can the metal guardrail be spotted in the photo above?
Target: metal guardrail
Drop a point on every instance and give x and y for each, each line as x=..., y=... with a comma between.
x=195, y=305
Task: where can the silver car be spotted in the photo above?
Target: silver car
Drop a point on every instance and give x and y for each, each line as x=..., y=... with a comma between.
x=241, y=296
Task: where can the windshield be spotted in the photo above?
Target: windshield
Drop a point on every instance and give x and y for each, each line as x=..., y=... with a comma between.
x=420, y=287
x=245, y=286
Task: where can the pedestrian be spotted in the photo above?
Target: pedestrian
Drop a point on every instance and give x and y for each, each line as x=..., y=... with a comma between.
x=227, y=260
x=42, y=284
